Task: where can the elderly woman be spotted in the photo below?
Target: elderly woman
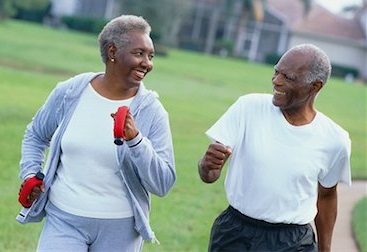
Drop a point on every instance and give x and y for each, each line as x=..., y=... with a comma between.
x=95, y=194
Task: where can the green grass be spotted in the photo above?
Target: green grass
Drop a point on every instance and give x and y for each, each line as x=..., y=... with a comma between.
x=195, y=89
x=359, y=223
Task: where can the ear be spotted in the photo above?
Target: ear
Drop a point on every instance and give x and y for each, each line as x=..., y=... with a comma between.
x=317, y=85
x=111, y=51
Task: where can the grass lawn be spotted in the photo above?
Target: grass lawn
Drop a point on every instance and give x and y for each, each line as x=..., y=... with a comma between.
x=195, y=89
x=360, y=227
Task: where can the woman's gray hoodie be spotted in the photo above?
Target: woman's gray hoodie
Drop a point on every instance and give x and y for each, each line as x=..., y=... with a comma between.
x=146, y=162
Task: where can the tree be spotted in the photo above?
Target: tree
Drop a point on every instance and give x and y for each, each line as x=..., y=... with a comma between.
x=31, y=4
x=164, y=16
x=247, y=8
x=8, y=8
x=254, y=9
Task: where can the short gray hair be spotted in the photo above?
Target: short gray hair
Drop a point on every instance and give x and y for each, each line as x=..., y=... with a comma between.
x=116, y=32
x=320, y=67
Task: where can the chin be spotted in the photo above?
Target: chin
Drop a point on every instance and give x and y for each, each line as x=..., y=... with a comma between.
x=275, y=102
x=135, y=83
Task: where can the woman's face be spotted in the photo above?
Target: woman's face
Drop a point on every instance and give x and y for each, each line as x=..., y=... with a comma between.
x=135, y=61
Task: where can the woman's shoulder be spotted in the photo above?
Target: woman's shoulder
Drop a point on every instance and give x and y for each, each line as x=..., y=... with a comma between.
x=73, y=84
x=77, y=79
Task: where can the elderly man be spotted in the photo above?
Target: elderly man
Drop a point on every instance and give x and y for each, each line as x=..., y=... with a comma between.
x=286, y=159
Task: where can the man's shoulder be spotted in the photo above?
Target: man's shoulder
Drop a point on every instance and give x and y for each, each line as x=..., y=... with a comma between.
x=256, y=98
x=330, y=127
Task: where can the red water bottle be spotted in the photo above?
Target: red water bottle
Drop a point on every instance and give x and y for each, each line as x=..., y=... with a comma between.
x=118, y=128
x=27, y=188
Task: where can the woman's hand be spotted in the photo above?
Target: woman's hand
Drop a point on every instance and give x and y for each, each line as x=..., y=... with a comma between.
x=130, y=129
x=36, y=191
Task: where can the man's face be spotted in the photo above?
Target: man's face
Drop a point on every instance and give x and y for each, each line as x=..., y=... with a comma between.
x=290, y=92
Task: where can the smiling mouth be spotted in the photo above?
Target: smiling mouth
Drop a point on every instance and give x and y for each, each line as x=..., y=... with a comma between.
x=276, y=92
x=140, y=74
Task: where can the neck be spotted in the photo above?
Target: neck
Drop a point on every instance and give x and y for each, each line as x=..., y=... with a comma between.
x=299, y=119
x=112, y=89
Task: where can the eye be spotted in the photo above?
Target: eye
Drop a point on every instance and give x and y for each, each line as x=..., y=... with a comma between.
x=287, y=77
x=151, y=56
x=138, y=53
x=276, y=72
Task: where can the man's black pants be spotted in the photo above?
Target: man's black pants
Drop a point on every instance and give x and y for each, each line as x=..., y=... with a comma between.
x=233, y=231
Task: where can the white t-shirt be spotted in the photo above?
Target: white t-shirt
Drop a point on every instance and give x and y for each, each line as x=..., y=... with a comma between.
x=275, y=167
x=87, y=181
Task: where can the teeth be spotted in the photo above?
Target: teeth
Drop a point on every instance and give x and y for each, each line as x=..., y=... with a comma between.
x=279, y=92
x=140, y=74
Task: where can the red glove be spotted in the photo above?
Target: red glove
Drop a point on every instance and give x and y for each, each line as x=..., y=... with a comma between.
x=118, y=128
x=27, y=188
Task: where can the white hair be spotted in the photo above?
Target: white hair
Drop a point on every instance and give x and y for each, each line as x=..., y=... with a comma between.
x=116, y=32
x=320, y=67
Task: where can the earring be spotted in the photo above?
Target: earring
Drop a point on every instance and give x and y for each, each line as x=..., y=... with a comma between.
x=112, y=60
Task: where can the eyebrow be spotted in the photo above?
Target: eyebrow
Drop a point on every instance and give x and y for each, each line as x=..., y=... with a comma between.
x=290, y=75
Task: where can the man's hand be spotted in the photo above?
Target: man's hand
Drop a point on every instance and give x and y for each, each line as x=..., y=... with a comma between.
x=211, y=164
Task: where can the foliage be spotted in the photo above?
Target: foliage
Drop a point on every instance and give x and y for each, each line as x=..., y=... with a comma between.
x=272, y=58
x=32, y=14
x=84, y=24
x=8, y=8
x=359, y=223
x=223, y=44
x=31, y=4
x=343, y=71
x=194, y=88
x=163, y=15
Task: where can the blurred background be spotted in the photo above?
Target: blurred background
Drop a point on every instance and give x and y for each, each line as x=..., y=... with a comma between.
x=256, y=30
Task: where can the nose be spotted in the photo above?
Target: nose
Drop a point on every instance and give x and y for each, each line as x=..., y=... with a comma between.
x=276, y=78
x=147, y=63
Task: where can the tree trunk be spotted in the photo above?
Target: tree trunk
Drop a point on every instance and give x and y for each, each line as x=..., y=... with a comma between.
x=210, y=39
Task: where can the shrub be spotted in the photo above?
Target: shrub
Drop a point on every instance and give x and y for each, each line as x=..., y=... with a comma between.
x=32, y=14
x=84, y=24
x=272, y=58
x=343, y=71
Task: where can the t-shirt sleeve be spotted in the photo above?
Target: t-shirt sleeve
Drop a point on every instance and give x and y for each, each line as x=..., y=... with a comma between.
x=226, y=129
x=339, y=170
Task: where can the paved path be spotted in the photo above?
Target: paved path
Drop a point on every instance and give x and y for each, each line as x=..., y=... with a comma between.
x=343, y=240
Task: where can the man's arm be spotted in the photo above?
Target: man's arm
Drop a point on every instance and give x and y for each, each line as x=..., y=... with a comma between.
x=327, y=204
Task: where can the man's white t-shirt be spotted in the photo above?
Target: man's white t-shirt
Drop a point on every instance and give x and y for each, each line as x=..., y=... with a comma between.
x=87, y=181
x=275, y=167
